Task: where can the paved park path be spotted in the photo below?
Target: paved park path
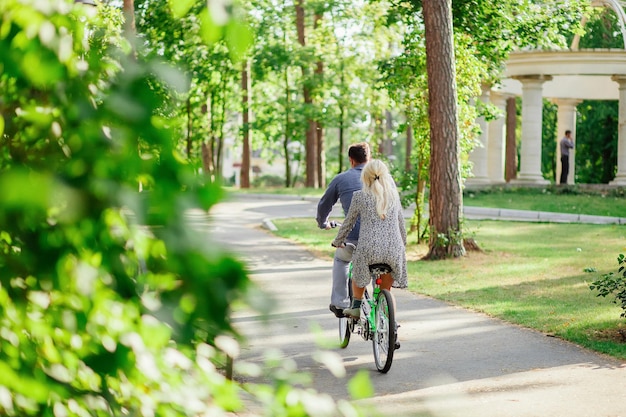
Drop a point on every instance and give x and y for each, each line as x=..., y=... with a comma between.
x=452, y=362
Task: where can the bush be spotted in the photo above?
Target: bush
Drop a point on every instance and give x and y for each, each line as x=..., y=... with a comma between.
x=267, y=181
x=614, y=284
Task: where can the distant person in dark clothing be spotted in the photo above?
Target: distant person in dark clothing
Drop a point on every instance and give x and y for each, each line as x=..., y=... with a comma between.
x=566, y=144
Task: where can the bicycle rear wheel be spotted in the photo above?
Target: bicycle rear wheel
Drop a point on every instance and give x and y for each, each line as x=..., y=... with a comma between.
x=384, y=339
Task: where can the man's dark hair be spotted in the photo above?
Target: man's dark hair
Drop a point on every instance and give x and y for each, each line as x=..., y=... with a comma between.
x=360, y=152
x=567, y=132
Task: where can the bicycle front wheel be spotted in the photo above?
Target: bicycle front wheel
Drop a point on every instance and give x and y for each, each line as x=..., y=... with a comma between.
x=345, y=323
x=344, y=332
x=384, y=339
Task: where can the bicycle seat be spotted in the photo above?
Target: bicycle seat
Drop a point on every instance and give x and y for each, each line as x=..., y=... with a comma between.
x=380, y=269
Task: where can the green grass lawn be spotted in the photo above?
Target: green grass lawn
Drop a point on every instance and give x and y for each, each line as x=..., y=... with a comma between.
x=300, y=192
x=550, y=199
x=531, y=274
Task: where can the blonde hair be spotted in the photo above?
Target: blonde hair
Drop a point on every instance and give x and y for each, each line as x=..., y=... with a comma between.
x=378, y=182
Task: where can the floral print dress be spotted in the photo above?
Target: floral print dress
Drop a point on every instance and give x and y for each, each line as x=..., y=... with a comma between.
x=380, y=240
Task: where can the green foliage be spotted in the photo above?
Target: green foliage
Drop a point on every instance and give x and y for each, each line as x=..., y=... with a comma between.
x=447, y=240
x=111, y=303
x=276, y=94
x=349, y=99
x=360, y=386
x=596, y=141
x=614, y=285
x=406, y=79
x=268, y=181
x=106, y=299
x=549, y=141
x=497, y=27
x=602, y=30
x=210, y=56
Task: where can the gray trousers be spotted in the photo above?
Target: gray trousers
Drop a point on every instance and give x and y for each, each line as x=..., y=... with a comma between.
x=340, y=296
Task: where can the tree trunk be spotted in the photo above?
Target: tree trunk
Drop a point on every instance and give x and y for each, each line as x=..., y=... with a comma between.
x=189, y=127
x=130, y=31
x=419, y=206
x=206, y=150
x=445, y=198
x=212, y=129
x=321, y=155
x=511, y=143
x=219, y=157
x=378, y=132
x=386, y=148
x=341, y=139
x=245, y=109
x=129, y=12
x=288, y=180
x=319, y=127
x=311, y=137
x=206, y=160
x=218, y=138
x=409, y=147
x=342, y=112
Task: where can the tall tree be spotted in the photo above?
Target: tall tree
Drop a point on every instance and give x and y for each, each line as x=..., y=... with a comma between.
x=319, y=125
x=511, y=147
x=446, y=204
x=129, y=13
x=277, y=104
x=245, y=110
x=311, y=179
x=130, y=29
x=483, y=40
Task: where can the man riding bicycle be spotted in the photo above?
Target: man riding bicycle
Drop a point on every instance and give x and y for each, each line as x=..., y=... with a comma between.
x=341, y=189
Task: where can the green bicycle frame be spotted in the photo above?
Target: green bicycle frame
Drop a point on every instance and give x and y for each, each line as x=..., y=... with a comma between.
x=372, y=301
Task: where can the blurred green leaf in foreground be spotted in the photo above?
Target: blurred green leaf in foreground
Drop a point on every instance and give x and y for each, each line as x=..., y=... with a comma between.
x=109, y=303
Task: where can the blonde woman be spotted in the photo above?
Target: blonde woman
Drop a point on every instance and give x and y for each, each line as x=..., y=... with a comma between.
x=382, y=237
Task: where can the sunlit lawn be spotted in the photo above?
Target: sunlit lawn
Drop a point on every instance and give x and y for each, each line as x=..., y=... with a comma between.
x=301, y=192
x=551, y=199
x=532, y=274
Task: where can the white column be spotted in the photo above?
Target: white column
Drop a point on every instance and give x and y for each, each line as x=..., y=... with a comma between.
x=532, y=106
x=478, y=155
x=566, y=120
x=497, y=135
x=620, y=177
